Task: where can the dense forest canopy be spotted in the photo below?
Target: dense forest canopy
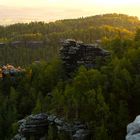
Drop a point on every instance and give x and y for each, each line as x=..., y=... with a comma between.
x=109, y=94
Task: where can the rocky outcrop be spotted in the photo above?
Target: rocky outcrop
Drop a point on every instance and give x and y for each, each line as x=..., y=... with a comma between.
x=133, y=130
x=75, y=53
x=32, y=126
x=37, y=127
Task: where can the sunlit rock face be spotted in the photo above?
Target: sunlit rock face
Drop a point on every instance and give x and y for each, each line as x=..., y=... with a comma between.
x=133, y=130
x=75, y=53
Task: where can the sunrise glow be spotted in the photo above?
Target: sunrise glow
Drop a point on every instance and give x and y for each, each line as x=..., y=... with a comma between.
x=51, y=10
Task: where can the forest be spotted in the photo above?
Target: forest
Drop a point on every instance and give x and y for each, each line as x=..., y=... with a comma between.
x=110, y=93
x=88, y=30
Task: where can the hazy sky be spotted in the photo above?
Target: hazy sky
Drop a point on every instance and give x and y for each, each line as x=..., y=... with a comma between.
x=49, y=10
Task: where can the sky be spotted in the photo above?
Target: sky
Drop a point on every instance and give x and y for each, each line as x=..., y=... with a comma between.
x=13, y=11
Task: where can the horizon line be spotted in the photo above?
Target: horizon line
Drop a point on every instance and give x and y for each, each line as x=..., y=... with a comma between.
x=28, y=21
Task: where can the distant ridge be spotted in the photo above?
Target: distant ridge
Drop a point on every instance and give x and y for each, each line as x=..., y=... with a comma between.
x=133, y=20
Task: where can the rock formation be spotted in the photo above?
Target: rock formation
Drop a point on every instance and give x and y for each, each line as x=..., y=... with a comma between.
x=133, y=130
x=74, y=54
x=32, y=126
x=37, y=127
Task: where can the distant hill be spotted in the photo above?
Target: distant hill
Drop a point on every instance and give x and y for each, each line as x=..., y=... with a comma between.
x=115, y=20
x=88, y=29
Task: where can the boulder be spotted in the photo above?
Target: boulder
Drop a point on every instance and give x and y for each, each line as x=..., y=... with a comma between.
x=18, y=137
x=59, y=122
x=133, y=130
x=81, y=134
x=51, y=118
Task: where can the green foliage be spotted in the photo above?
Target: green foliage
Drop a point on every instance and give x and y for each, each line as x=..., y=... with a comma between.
x=137, y=35
x=52, y=133
x=106, y=98
x=101, y=133
x=38, y=108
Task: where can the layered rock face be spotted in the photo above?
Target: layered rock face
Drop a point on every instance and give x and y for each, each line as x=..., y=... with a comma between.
x=133, y=130
x=74, y=54
x=41, y=126
x=32, y=126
